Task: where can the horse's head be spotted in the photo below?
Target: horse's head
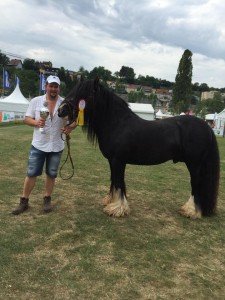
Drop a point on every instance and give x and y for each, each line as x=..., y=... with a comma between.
x=80, y=98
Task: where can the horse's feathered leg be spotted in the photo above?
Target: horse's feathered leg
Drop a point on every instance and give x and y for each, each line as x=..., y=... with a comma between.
x=205, y=181
x=118, y=205
x=191, y=208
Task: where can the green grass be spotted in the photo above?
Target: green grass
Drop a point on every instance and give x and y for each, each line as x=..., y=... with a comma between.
x=78, y=252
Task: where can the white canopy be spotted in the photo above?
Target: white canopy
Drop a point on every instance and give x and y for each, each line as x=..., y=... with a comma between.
x=141, y=108
x=210, y=117
x=145, y=111
x=159, y=114
x=15, y=102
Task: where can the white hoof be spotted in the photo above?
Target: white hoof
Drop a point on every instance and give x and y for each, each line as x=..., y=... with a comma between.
x=107, y=199
x=190, y=210
x=117, y=207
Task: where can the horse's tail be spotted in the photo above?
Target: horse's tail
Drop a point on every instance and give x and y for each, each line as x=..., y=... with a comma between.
x=209, y=178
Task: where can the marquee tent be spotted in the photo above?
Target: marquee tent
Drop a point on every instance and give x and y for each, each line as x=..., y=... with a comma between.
x=145, y=111
x=219, y=123
x=161, y=115
x=15, y=102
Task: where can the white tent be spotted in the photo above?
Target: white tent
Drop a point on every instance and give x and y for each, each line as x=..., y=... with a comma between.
x=145, y=111
x=210, y=117
x=15, y=102
x=219, y=123
x=161, y=115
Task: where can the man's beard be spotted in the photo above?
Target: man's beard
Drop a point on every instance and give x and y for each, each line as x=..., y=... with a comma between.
x=53, y=96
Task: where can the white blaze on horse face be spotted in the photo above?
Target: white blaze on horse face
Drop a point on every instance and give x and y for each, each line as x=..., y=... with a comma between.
x=190, y=210
x=118, y=207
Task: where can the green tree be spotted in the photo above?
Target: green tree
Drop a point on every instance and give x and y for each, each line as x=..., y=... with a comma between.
x=29, y=82
x=136, y=96
x=4, y=60
x=203, y=87
x=62, y=74
x=182, y=88
x=210, y=105
x=120, y=88
x=30, y=64
x=127, y=74
x=100, y=72
x=84, y=73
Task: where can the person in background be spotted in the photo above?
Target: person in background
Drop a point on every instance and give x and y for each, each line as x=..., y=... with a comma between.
x=47, y=145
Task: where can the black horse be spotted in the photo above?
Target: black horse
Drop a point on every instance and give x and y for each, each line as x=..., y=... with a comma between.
x=125, y=138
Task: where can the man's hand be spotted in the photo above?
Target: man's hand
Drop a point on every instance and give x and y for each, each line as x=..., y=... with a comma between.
x=32, y=122
x=40, y=123
x=68, y=128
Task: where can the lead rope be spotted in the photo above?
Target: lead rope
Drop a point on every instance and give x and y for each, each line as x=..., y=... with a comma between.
x=68, y=156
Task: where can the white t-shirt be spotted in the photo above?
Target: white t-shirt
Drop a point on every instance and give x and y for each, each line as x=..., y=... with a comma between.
x=51, y=140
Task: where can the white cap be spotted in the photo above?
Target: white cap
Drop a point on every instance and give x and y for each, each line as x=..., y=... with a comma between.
x=53, y=78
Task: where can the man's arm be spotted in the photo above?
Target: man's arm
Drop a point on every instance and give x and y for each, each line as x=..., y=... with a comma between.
x=35, y=123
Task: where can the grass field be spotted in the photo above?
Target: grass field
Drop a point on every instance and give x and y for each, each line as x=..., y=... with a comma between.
x=78, y=252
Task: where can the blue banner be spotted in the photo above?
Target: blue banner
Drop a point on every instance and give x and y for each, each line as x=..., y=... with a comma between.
x=6, y=83
x=42, y=82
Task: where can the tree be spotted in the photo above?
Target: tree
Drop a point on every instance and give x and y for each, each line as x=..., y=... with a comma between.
x=210, y=105
x=30, y=64
x=182, y=87
x=62, y=74
x=100, y=72
x=83, y=72
x=4, y=60
x=136, y=96
x=127, y=74
x=204, y=87
x=29, y=82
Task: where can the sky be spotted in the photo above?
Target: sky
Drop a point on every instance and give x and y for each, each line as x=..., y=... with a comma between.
x=148, y=36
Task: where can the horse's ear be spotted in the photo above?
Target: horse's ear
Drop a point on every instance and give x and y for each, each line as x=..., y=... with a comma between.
x=96, y=82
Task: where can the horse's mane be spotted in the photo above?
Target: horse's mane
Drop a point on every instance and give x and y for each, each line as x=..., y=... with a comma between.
x=104, y=107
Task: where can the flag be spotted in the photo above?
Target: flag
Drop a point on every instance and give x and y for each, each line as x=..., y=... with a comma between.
x=6, y=83
x=42, y=82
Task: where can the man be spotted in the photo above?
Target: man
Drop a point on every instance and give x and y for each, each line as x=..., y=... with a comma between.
x=47, y=145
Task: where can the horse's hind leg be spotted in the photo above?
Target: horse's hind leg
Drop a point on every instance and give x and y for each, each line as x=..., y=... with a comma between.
x=190, y=208
x=118, y=205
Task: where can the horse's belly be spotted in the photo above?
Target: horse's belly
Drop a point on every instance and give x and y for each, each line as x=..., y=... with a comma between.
x=149, y=160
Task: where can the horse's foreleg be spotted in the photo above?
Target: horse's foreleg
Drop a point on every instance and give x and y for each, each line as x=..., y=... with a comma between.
x=191, y=208
x=109, y=198
x=118, y=205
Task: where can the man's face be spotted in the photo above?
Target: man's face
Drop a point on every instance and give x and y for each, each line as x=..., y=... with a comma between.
x=52, y=90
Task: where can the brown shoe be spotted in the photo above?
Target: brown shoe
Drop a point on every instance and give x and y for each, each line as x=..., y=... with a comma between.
x=47, y=204
x=22, y=206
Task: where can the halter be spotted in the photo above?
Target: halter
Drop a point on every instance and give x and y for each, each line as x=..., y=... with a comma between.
x=70, y=110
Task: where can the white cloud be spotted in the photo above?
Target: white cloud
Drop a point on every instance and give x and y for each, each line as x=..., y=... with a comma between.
x=149, y=36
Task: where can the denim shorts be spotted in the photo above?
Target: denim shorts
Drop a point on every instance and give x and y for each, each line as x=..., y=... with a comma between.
x=38, y=158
